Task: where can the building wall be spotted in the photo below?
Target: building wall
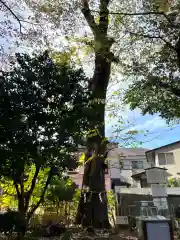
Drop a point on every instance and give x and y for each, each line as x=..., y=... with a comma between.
x=118, y=171
x=120, y=164
x=78, y=178
x=173, y=169
x=113, y=164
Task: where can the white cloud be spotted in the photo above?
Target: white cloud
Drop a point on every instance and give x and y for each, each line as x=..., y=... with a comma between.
x=151, y=124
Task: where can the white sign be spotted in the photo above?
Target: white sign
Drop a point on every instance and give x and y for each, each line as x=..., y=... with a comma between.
x=158, y=190
x=122, y=220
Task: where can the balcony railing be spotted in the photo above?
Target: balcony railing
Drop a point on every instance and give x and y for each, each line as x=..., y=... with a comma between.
x=143, y=165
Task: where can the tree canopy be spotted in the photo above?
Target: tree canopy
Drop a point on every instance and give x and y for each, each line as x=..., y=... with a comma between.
x=61, y=189
x=43, y=109
x=155, y=72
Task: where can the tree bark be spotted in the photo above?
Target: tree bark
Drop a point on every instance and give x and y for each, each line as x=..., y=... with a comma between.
x=34, y=208
x=33, y=184
x=95, y=212
x=92, y=210
x=24, y=198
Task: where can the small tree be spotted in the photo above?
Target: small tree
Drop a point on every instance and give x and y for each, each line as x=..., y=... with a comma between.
x=61, y=192
x=9, y=197
x=42, y=111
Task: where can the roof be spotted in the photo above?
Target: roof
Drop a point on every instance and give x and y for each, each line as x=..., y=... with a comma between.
x=162, y=168
x=132, y=151
x=144, y=170
x=138, y=174
x=122, y=181
x=170, y=144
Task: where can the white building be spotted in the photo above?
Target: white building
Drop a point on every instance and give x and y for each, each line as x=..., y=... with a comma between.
x=124, y=163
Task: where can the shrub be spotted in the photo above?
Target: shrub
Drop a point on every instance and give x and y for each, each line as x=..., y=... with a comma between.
x=12, y=221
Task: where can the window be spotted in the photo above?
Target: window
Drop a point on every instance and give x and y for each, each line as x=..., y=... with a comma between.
x=137, y=164
x=165, y=158
x=126, y=164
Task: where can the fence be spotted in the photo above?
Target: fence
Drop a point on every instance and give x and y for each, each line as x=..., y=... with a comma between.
x=129, y=199
x=146, y=191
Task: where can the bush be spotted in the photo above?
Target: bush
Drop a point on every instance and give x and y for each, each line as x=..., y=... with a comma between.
x=12, y=221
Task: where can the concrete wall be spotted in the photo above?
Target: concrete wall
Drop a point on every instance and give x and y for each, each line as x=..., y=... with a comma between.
x=145, y=191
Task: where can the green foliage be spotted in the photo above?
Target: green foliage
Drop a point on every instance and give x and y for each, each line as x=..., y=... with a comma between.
x=65, y=58
x=111, y=199
x=42, y=111
x=40, y=182
x=154, y=71
x=111, y=206
x=155, y=96
x=39, y=104
x=9, y=198
x=62, y=199
x=61, y=189
x=173, y=182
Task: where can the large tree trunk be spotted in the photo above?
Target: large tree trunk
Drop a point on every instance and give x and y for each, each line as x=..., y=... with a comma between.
x=93, y=209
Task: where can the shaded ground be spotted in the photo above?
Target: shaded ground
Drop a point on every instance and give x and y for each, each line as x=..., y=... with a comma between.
x=81, y=235
x=121, y=235
x=75, y=234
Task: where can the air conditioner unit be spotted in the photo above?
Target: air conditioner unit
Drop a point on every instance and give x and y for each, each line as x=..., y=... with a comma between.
x=122, y=220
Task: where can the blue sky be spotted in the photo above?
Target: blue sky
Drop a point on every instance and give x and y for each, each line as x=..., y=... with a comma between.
x=159, y=133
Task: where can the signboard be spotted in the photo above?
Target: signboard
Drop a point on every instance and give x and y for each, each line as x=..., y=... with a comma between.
x=158, y=230
x=122, y=220
x=156, y=175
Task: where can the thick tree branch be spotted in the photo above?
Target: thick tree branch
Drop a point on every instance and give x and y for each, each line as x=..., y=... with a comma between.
x=17, y=190
x=20, y=197
x=153, y=37
x=30, y=213
x=89, y=18
x=104, y=13
x=13, y=14
x=22, y=187
x=138, y=14
x=33, y=184
x=34, y=180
